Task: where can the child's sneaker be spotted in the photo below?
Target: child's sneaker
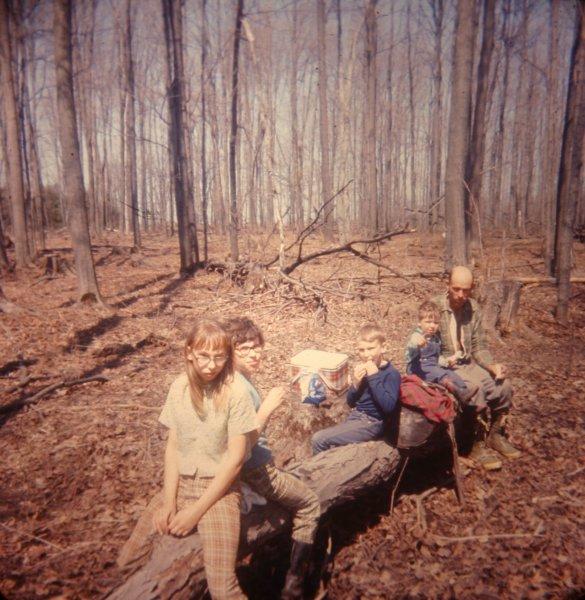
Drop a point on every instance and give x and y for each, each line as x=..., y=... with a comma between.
x=463, y=395
x=466, y=394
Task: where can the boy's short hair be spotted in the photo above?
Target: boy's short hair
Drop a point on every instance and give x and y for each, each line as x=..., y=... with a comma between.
x=428, y=309
x=370, y=333
x=242, y=330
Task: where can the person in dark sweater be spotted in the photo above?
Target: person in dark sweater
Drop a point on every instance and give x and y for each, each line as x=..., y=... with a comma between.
x=372, y=396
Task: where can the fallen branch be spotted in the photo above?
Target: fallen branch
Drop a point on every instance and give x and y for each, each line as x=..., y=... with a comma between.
x=20, y=402
x=348, y=247
x=306, y=232
x=484, y=538
x=542, y=280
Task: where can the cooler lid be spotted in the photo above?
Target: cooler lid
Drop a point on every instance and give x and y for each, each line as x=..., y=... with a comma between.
x=318, y=359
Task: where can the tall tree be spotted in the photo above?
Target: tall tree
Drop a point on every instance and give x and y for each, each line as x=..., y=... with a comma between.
x=71, y=173
x=550, y=171
x=436, y=146
x=233, y=228
x=370, y=118
x=412, y=195
x=204, y=75
x=480, y=117
x=324, y=117
x=570, y=169
x=130, y=127
x=173, y=21
x=13, y=141
x=456, y=250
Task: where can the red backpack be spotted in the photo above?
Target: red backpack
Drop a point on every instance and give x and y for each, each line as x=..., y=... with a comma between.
x=423, y=406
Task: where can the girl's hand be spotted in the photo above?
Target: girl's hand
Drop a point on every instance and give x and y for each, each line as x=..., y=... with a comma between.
x=452, y=360
x=274, y=398
x=162, y=517
x=185, y=520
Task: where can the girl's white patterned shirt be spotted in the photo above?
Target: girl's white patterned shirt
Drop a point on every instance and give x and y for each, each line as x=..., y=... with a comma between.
x=202, y=443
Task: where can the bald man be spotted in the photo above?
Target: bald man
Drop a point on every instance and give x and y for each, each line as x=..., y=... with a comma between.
x=463, y=344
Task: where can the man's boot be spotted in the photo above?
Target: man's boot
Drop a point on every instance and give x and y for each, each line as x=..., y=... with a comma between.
x=480, y=453
x=497, y=438
x=295, y=578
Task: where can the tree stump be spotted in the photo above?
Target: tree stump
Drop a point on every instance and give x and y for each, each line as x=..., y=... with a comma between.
x=501, y=300
x=174, y=567
x=54, y=265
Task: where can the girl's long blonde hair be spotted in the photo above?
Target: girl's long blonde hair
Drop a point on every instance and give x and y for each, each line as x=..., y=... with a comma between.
x=207, y=334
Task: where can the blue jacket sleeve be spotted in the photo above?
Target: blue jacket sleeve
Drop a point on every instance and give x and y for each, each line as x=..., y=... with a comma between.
x=352, y=396
x=385, y=387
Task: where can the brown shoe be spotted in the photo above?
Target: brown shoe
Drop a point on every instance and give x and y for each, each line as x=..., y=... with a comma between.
x=497, y=440
x=484, y=458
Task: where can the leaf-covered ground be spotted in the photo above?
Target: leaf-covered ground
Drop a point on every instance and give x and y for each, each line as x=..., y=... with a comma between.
x=79, y=465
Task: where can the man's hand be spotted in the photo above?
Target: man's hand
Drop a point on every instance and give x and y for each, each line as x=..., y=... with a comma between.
x=419, y=339
x=162, y=517
x=498, y=370
x=185, y=520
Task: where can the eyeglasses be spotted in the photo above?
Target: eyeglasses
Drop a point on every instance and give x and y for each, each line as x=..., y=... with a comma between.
x=246, y=349
x=204, y=359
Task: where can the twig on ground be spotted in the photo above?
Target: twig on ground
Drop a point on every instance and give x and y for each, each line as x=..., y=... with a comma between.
x=30, y=536
x=489, y=536
x=19, y=403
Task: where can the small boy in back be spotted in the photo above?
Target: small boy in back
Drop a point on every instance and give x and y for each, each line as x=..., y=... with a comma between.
x=372, y=395
x=423, y=355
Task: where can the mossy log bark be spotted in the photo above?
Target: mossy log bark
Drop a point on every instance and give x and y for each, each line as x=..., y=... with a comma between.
x=174, y=567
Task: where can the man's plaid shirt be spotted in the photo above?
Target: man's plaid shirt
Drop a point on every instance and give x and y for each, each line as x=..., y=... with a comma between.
x=472, y=335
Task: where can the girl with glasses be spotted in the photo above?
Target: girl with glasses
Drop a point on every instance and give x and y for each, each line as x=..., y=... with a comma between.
x=208, y=416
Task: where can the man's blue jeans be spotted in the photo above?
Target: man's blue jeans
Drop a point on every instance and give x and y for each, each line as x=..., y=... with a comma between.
x=358, y=427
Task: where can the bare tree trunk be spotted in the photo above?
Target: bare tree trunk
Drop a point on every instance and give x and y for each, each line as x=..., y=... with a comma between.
x=204, y=200
x=296, y=188
x=36, y=184
x=370, y=119
x=495, y=207
x=570, y=169
x=72, y=176
x=13, y=137
x=412, y=196
x=173, y=39
x=324, y=120
x=550, y=167
x=479, y=131
x=233, y=228
x=456, y=251
x=438, y=10
x=130, y=128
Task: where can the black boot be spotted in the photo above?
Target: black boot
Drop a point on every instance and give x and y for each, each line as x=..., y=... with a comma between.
x=295, y=578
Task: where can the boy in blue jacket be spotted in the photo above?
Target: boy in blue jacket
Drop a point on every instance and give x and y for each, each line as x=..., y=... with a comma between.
x=372, y=396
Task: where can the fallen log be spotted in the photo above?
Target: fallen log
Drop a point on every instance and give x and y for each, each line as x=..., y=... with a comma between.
x=174, y=566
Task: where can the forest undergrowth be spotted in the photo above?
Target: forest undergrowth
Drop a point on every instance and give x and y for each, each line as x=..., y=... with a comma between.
x=80, y=464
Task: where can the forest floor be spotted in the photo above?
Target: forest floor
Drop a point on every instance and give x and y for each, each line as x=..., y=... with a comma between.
x=79, y=465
